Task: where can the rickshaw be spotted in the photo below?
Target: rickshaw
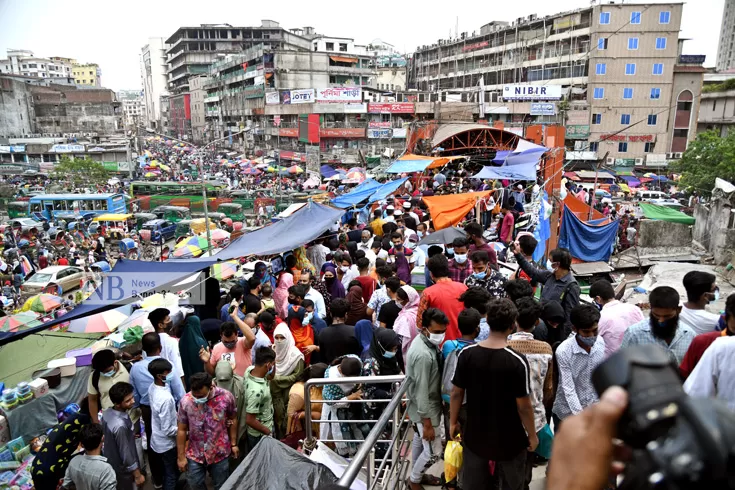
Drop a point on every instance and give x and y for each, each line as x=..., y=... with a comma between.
x=214, y=217
x=231, y=210
x=197, y=225
x=183, y=228
x=172, y=213
x=128, y=249
x=18, y=209
x=244, y=198
x=141, y=218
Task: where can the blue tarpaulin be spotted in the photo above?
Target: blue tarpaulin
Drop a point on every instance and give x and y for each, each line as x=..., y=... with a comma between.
x=524, y=171
x=387, y=189
x=501, y=155
x=327, y=171
x=356, y=195
x=587, y=242
x=543, y=231
x=409, y=166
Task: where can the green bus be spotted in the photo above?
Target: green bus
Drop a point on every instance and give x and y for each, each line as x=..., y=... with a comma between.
x=150, y=195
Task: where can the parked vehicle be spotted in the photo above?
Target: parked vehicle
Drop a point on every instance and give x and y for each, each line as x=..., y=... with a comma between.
x=231, y=210
x=161, y=230
x=66, y=276
x=183, y=228
x=18, y=209
x=142, y=218
x=172, y=213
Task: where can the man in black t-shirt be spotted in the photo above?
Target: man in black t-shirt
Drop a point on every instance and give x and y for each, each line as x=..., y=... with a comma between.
x=500, y=425
x=252, y=299
x=338, y=339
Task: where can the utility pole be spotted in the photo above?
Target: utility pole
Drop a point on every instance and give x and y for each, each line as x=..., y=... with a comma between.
x=594, y=186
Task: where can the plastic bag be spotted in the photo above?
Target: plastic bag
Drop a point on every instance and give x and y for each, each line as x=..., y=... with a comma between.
x=452, y=460
x=545, y=441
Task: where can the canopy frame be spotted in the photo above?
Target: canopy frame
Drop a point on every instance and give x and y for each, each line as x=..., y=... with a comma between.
x=488, y=138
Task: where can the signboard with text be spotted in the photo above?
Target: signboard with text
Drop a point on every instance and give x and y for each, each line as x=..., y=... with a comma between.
x=342, y=132
x=543, y=109
x=67, y=149
x=374, y=133
x=271, y=98
x=474, y=46
x=339, y=94
x=577, y=131
x=633, y=138
x=527, y=91
x=304, y=96
x=379, y=124
x=353, y=108
x=289, y=132
x=391, y=108
x=12, y=148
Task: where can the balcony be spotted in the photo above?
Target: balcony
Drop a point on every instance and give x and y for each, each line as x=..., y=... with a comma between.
x=351, y=70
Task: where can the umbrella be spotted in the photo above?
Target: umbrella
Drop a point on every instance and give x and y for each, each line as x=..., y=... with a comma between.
x=251, y=171
x=218, y=234
x=356, y=177
x=12, y=323
x=224, y=270
x=42, y=303
x=154, y=163
x=165, y=168
x=104, y=322
x=187, y=251
x=443, y=236
x=262, y=165
x=199, y=242
x=295, y=169
x=150, y=174
x=139, y=318
x=160, y=301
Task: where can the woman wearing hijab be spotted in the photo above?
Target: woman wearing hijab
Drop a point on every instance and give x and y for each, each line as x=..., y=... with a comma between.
x=190, y=342
x=261, y=272
x=303, y=333
x=408, y=300
x=385, y=358
x=358, y=308
x=333, y=285
x=280, y=294
x=338, y=411
x=364, y=334
x=289, y=366
x=297, y=400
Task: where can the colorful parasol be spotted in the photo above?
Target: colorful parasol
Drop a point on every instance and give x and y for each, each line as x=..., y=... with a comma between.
x=187, y=251
x=251, y=171
x=224, y=270
x=165, y=168
x=150, y=174
x=19, y=321
x=357, y=177
x=295, y=169
x=195, y=241
x=42, y=303
x=217, y=235
x=104, y=322
x=139, y=318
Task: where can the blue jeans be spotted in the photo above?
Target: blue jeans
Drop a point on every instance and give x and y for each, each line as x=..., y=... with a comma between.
x=198, y=472
x=252, y=441
x=170, y=468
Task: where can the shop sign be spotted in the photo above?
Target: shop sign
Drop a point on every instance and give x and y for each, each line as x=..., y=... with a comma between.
x=474, y=46
x=342, y=132
x=527, y=91
x=379, y=124
x=293, y=156
x=12, y=148
x=625, y=162
x=304, y=96
x=254, y=92
x=578, y=131
x=110, y=166
x=339, y=94
x=543, y=109
x=379, y=133
x=271, y=98
x=289, y=132
x=399, y=132
x=123, y=166
x=633, y=138
x=67, y=149
x=394, y=108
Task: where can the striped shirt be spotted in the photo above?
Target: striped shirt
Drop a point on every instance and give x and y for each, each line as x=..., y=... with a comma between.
x=575, y=391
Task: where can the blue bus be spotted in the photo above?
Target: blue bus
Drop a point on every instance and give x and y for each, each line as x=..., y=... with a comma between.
x=75, y=205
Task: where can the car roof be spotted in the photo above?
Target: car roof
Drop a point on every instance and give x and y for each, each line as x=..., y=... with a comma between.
x=154, y=222
x=54, y=268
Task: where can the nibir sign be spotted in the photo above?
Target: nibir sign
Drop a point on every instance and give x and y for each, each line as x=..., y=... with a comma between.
x=525, y=91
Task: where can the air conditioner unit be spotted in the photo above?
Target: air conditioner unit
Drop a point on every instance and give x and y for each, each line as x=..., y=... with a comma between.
x=677, y=155
x=638, y=161
x=610, y=161
x=670, y=156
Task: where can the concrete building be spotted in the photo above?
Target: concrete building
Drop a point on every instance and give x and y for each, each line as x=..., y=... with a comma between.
x=604, y=67
x=61, y=109
x=87, y=74
x=165, y=121
x=23, y=62
x=726, y=46
x=392, y=78
x=190, y=50
x=154, y=79
x=717, y=112
x=180, y=116
x=198, y=113
x=17, y=114
x=132, y=107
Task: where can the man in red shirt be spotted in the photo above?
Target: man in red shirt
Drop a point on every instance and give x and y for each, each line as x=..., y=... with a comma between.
x=63, y=260
x=460, y=267
x=477, y=242
x=444, y=295
x=506, y=229
x=367, y=283
x=702, y=341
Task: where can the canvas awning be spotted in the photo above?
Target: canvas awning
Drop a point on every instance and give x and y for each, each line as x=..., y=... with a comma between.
x=524, y=171
x=571, y=176
x=361, y=192
x=387, y=189
x=585, y=240
x=590, y=174
x=663, y=213
x=410, y=163
x=343, y=59
x=451, y=209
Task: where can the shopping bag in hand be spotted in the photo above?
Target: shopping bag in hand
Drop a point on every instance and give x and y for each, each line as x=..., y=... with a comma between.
x=452, y=460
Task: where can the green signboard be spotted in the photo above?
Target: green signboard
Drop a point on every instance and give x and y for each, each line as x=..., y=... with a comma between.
x=577, y=132
x=110, y=166
x=625, y=162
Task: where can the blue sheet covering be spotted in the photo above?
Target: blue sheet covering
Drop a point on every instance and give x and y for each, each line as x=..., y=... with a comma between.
x=587, y=242
x=543, y=231
x=501, y=155
x=387, y=189
x=357, y=195
x=524, y=171
x=408, y=166
x=327, y=171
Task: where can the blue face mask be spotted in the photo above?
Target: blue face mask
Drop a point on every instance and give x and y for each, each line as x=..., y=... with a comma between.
x=200, y=401
x=450, y=250
x=169, y=377
x=480, y=275
x=271, y=370
x=389, y=354
x=108, y=374
x=460, y=258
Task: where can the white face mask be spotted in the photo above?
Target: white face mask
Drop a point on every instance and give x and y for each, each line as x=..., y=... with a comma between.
x=436, y=338
x=307, y=319
x=344, y=268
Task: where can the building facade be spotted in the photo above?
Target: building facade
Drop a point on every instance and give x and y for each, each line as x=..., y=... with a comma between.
x=88, y=74
x=198, y=113
x=154, y=79
x=23, y=62
x=717, y=112
x=726, y=45
x=180, y=116
x=17, y=114
x=132, y=107
x=60, y=109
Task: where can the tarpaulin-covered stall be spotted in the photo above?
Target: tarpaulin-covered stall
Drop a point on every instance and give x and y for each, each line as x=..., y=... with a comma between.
x=585, y=241
x=410, y=163
x=663, y=213
x=523, y=171
x=451, y=209
x=580, y=209
x=357, y=195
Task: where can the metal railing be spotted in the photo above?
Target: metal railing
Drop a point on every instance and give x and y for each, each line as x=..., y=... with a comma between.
x=389, y=472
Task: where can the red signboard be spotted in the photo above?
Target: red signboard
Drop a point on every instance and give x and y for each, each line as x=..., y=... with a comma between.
x=289, y=132
x=379, y=124
x=640, y=137
x=292, y=155
x=612, y=137
x=391, y=108
x=472, y=47
x=342, y=132
x=633, y=138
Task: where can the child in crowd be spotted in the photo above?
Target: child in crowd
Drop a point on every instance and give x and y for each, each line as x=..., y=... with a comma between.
x=266, y=300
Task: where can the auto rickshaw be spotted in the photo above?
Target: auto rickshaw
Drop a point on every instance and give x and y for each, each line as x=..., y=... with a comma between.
x=173, y=214
x=141, y=218
x=128, y=249
x=183, y=228
x=18, y=209
x=231, y=210
x=214, y=217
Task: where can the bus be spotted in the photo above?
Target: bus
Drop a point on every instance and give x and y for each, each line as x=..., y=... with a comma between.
x=150, y=195
x=75, y=205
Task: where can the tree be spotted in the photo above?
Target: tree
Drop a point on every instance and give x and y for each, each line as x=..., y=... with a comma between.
x=80, y=172
x=709, y=156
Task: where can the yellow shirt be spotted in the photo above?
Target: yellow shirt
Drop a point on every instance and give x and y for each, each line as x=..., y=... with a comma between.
x=377, y=226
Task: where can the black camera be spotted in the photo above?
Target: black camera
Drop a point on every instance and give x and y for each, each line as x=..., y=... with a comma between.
x=678, y=442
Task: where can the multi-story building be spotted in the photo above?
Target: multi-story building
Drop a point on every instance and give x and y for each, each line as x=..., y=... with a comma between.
x=612, y=73
x=62, y=109
x=17, y=114
x=180, y=116
x=87, y=74
x=23, y=62
x=132, y=107
x=716, y=112
x=726, y=46
x=190, y=50
x=154, y=79
x=198, y=114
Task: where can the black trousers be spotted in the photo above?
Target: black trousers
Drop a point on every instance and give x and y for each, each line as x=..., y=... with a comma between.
x=509, y=475
x=154, y=459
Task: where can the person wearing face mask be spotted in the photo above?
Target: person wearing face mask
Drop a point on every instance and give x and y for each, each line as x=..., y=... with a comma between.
x=346, y=272
x=366, y=240
x=259, y=409
x=702, y=341
x=234, y=349
x=262, y=327
x=423, y=368
x=401, y=257
x=289, y=366
x=207, y=432
x=107, y=371
x=577, y=357
x=702, y=290
x=320, y=306
x=615, y=317
x=663, y=326
x=444, y=294
x=508, y=222
x=335, y=411
x=407, y=300
x=163, y=421
x=120, y=449
x=161, y=320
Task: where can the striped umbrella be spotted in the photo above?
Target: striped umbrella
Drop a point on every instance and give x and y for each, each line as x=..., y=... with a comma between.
x=195, y=241
x=251, y=171
x=19, y=321
x=104, y=322
x=187, y=251
x=42, y=303
x=218, y=234
x=139, y=318
x=224, y=270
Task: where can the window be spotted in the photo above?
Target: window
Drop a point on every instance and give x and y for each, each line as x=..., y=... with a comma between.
x=628, y=93
x=632, y=43
x=601, y=69
x=343, y=47
x=596, y=118
x=684, y=105
x=622, y=147
x=630, y=68
x=714, y=104
x=664, y=17
x=599, y=93
x=330, y=46
x=660, y=43
x=594, y=146
x=652, y=118
x=681, y=133
x=602, y=43
x=648, y=147
x=625, y=119
x=25, y=67
x=655, y=93
x=604, y=17
x=635, y=17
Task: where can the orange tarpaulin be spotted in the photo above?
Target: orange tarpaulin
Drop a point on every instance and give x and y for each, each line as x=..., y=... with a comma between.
x=437, y=161
x=344, y=59
x=580, y=209
x=450, y=210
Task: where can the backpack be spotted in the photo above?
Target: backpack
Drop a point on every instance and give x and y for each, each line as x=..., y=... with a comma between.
x=450, y=365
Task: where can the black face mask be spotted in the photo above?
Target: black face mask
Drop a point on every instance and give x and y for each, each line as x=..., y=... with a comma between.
x=230, y=345
x=666, y=329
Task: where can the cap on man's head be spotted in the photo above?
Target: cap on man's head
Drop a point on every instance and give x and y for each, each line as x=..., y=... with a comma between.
x=519, y=187
x=407, y=205
x=390, y=208
x=398, y=212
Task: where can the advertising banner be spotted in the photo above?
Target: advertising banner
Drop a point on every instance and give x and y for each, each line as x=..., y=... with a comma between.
x=12, y=148
x=379, y=124
x=374, y=133
x=123, y=166
x=271, y=98
x=67, y=149
x=543, y=109
x=289, y=132
x=391, y=108
x=304, y=96
x=527, y=91
x=399, y=132
x=339, y=94
x=578, y=131
x=343, y=132
x=110, y=166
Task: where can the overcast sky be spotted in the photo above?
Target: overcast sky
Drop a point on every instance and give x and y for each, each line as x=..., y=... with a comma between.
x=112, y=33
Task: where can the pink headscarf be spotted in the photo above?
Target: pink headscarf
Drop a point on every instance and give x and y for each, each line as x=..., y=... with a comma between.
x=405, y=324
x=280, y=295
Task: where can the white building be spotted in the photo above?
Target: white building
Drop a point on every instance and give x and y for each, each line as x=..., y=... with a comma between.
x=23, y=62
x=132, y=105
x=726, y=46
x=154, y=79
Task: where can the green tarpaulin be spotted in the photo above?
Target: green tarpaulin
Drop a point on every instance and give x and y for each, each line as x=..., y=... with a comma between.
x=653, y=211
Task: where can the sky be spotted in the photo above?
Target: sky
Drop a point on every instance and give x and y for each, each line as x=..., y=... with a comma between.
x=112, y=34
